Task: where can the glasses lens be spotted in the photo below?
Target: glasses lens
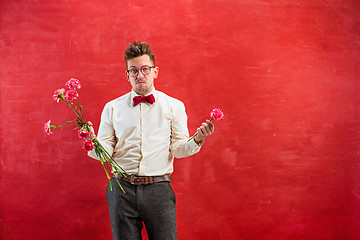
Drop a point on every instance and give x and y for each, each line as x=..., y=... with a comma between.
x=145, y=70
x=133, y=72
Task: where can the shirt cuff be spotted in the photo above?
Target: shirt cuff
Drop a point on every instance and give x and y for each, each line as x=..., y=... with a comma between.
x=195, y=145
x=92, y=154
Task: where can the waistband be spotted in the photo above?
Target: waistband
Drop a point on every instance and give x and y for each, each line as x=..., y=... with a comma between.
x=143, y=180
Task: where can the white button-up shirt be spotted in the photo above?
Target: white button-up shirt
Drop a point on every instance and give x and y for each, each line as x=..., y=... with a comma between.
x=144, y=139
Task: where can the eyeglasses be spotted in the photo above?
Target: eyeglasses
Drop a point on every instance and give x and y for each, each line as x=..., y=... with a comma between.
x=133, y=72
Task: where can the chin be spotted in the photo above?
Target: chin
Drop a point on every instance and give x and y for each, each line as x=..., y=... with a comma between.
x=142, y=91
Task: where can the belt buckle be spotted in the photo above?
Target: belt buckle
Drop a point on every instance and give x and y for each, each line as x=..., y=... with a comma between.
x=132, y=179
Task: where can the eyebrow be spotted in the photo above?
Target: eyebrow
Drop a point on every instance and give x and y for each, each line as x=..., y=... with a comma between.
x=140, y=67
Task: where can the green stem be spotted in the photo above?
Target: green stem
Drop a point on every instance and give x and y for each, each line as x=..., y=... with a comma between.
x=106, y=171
x=66, y=123
x=119, y=185
x=105, y=158
x=197, y=133
x=111, y=160
x=78, y=100
x=81, y=119
x=71, y=108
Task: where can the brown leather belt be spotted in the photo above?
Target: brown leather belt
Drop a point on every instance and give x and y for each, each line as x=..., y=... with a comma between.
x=139, y=180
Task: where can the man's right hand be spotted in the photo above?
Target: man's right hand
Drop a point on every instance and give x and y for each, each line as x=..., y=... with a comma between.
x=92, y=131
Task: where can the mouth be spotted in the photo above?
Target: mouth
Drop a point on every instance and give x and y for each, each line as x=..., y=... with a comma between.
x=140, y=82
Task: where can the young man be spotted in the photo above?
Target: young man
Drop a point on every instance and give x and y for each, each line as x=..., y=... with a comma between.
x=144, y=130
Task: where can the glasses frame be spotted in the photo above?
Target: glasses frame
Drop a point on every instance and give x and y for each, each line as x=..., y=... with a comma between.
x=141, y=69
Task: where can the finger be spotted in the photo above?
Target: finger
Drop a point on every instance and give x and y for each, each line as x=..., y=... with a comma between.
x=211, y=129
x=201, y=131
x=207, y=129
x=210, y=125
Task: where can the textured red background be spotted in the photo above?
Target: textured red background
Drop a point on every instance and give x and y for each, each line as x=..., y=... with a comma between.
x=284, y=164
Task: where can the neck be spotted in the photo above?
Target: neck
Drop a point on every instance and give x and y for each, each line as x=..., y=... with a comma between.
x=142, y=93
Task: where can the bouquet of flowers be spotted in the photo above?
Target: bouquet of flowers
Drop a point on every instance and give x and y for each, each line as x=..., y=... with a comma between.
x=69, y=96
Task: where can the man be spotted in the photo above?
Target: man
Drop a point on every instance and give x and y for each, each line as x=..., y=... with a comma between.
x=144, y=130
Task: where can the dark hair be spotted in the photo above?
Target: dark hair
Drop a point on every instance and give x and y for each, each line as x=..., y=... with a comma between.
x=137, y=49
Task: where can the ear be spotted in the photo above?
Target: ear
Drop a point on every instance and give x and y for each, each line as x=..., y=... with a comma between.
x=156, y=72
x=127, y=76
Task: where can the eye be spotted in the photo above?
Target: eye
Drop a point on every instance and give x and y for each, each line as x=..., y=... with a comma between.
x=133, y=71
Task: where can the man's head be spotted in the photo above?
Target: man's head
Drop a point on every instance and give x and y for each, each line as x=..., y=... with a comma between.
x=141, y=70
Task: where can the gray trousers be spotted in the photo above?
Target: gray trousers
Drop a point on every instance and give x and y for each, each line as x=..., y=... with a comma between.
x=151, y=204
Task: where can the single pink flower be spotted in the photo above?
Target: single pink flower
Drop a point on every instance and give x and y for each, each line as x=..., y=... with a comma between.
x=73, y=82
x=70, y=95
x=83, y=134
x=217, y=114
x=88, y=145
x=48, y=128
x=58, y=94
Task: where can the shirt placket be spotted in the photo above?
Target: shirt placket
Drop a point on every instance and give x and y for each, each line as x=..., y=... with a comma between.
x=142, y=121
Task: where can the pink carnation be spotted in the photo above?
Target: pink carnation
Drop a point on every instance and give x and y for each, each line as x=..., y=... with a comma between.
x=83, y=134
x=58, y=94
x=73, y=83
x=88, y=145
x=47, y=128
x=217, y=114
x=70, y=95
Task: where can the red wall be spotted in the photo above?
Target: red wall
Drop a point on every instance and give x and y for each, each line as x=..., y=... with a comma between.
x=283, y=164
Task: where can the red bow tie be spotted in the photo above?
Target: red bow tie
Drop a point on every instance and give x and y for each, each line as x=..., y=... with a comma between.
x=149, y=98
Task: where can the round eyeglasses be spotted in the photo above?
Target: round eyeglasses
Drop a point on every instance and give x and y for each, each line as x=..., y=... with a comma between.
x=145, y=70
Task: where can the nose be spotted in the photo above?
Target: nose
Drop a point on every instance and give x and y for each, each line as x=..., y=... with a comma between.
x=140, y=74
